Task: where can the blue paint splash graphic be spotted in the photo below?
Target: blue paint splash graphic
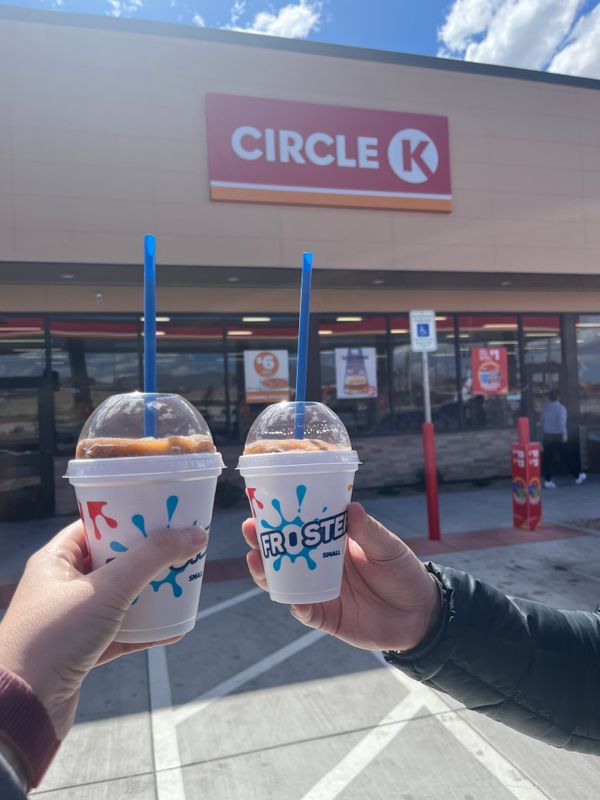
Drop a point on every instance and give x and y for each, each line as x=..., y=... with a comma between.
x=291, y=536
x=172, y=503
x=140, y=524
x=175, y=571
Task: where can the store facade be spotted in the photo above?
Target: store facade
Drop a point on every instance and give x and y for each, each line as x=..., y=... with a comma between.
x=503, y=244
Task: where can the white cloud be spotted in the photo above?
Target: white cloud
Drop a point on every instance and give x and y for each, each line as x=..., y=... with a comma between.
x=198, y=20
x=581, y=54
x=118, y=8
x=518, y=33
x=237, y=10
x=466, y=19
x=294, y=21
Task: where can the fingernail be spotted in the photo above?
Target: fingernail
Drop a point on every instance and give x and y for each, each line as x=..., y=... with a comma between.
x=198, y=536
x=302, y=613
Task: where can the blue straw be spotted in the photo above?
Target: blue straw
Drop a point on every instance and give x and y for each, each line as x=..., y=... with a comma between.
x=303, y=327
x=149, y=331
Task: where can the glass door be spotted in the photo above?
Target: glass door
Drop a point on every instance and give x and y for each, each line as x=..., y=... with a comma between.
x=26, y=475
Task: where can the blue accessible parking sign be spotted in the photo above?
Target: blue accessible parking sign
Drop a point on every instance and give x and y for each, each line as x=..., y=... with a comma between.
x=423, y=337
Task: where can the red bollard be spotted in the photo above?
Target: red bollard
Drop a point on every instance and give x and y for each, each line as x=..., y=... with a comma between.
x=431, y=482
x=523, y=430
x=526, y=480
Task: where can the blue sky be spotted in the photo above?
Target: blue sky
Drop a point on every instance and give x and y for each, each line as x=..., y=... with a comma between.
x=556, y=35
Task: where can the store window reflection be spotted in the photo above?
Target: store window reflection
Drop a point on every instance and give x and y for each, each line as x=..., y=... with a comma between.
x=489, y=398
x=190, y=362
x=92, y=358
x=261, y=365
x=588, y=354
x=354, y=371
x=407, y=375
x=22, y=351
x=22, y=417
x=543, y=364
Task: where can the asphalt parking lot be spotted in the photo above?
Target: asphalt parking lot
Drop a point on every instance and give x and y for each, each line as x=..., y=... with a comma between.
x=251, y=705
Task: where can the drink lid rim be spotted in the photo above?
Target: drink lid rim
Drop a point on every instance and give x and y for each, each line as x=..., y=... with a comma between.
x=298, y=458
x=128, y=466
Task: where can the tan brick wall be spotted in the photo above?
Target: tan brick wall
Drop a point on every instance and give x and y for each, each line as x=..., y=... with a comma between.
x=398, y=460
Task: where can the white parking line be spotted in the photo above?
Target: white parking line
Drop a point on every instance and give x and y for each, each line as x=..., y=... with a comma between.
x=336, y=780
x=167, y=762
x=503, y=770
x=165, y=746
x=232, y=601
x=420, y=697
x=248, y=674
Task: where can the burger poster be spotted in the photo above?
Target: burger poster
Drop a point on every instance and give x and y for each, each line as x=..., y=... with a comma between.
x=355, y=372
x=489, y=368
x=267, y=376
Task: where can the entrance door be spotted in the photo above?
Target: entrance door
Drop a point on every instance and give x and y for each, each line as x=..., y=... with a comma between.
x=26, y=469
x=540, y=379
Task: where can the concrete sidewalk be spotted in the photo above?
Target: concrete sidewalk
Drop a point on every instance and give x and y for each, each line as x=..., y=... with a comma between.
x=460, y=511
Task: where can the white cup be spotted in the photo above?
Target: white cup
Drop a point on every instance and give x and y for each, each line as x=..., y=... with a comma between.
x=121, y=501
x=299, y=503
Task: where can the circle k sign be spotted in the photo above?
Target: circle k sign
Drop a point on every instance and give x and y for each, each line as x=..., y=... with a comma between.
x=278, y=151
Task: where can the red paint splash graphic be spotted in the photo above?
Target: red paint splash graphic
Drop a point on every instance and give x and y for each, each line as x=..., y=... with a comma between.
x=95, y=510
x=251, y=497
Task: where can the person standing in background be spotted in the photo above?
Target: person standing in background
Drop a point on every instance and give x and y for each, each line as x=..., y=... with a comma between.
x=555, y=441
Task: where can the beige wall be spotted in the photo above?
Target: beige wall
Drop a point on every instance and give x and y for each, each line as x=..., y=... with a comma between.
x=102, y=138
x=198, y=300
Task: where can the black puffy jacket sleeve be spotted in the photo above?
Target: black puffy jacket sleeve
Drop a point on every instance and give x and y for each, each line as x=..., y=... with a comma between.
x=530, y=666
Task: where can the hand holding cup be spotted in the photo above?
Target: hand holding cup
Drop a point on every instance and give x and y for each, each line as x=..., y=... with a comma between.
x=388, y=600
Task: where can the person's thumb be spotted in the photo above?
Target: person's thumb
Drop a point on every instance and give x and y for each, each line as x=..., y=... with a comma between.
x=377, y=542
x=310, y=615
x=130, y=572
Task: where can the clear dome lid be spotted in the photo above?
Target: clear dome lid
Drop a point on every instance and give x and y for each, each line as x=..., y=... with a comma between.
x=297, y=427
x=144, y=424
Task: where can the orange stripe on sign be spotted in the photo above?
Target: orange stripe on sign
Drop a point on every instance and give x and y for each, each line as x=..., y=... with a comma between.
x=319, y=199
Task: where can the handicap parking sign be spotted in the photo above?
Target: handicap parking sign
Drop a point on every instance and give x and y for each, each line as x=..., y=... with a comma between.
x=423, y=337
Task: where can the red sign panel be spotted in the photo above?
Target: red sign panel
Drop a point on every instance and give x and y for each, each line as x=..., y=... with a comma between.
x=489, y=368
x=279, y=151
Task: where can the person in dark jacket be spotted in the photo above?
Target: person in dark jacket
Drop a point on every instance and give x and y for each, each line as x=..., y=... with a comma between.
x=530, y=666
x=60, y=624
x=555, y=442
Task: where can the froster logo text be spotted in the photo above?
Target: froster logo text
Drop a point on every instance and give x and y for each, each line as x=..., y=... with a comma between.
x=275, y=543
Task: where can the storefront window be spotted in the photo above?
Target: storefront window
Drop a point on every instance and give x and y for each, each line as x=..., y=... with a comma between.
x=23, y=417
x=354, y=371
x=92, y=359
x=191, y=362
x=407, y=373
x=588, y=357
x=491, y=395
x=262, y=365
x=543, y=362
x=22, y=351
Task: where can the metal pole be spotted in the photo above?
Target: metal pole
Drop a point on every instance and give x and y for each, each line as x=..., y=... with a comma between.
x=430, y=466
x=426, y=393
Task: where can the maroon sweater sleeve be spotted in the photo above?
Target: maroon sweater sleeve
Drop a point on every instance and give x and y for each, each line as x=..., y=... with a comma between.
x=26, y=727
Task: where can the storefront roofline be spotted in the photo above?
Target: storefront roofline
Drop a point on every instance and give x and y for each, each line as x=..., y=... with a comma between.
x=150, y=28
x=245, y=278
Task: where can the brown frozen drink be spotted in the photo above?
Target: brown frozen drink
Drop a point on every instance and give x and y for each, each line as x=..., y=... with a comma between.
x=114, y=447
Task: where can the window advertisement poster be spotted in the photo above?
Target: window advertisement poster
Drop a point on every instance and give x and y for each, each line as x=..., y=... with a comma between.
x=355, y=372
x=489, y=368
x=267, y=376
